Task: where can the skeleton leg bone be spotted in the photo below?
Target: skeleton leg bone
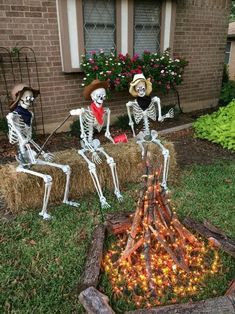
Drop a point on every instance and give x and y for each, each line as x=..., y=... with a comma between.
x=166, y=156
x=92, y=170
x=113, y=168
x=67, y=170
x=48, y=183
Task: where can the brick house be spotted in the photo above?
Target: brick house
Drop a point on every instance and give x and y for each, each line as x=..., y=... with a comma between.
x=59, y=31
x=230, y=51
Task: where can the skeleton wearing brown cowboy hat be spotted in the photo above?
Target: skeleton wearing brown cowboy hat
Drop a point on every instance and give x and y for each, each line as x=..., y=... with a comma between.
x=20, y=121
x=144, y=108
x=95, y=117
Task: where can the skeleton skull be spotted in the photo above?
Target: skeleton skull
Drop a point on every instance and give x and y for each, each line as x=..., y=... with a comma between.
x=27, y=99
x=140, y=88
x=98, y=96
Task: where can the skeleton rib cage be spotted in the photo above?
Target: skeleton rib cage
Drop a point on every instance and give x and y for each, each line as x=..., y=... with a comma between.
x=88, y=123
x=16, y=126
x=140, y=114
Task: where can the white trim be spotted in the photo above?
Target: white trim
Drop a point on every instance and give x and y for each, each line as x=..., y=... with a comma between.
x=124, y=26
x=167, y=28
x=73, y=33
x=59, y=30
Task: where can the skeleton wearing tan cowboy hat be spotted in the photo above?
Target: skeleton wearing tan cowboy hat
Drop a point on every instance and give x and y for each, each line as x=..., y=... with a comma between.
x=20, y=121
x=95, y=117
x=144, y=108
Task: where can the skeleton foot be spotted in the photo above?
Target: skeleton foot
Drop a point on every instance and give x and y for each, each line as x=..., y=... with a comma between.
x=71, y=203
x=104, y=203
x=119, y=196
x=45, y=215
x=164, y=186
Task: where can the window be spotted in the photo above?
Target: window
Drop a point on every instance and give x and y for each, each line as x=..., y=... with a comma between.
x=99, y=25
x=129, y=26
x=227, y=52
x=146, y=26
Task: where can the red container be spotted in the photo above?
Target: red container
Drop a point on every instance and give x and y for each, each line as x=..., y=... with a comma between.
x=120, y=138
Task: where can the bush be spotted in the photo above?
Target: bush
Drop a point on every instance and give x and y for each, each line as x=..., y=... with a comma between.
x=119, y=69
x=3, y=125
x=122, y=122
x=75, y=128
x=227, y=93
x=219, y=127
x=225, y=77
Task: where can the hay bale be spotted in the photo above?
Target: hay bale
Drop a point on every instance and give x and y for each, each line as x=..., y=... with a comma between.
x=22, y=191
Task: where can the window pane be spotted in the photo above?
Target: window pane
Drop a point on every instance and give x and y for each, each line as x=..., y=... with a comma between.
x=228, y=47
x=147, y=26
x=99, y=25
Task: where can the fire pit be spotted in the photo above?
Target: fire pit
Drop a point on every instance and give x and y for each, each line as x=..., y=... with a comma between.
x=155, y=259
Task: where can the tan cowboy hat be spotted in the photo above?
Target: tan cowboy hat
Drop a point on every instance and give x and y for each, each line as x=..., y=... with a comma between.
x=140, y=78
x=93, y=86
x=18, y=91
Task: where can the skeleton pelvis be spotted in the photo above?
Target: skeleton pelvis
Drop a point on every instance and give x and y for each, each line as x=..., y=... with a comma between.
x=94, y=144
x=27, y=157
x=147, y=137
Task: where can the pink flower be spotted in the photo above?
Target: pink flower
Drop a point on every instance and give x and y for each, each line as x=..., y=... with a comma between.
x=108, y=72
x=135, y=57
x=95, y=68
x=93, y=52
x=168, y=86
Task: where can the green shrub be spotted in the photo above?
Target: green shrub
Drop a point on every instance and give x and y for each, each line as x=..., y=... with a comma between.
x=227, y=93
x=164, y=71
x=75, y=128
x=225, y=77
x=219, y=127
x=3, y=125
x=122, y=122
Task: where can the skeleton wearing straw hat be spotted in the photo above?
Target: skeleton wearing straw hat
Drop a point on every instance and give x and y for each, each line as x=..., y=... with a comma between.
x=144, y=108
x=20, y=121
x=91, y=118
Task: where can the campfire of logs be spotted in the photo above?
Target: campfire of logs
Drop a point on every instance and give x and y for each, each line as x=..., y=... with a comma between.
x=158, y=257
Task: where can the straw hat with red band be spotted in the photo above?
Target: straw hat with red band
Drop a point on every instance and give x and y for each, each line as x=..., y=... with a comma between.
x=140, y=78
x=18, y=91
x=93, y=86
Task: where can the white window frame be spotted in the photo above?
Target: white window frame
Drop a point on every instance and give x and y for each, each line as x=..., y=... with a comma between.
x=71, y=35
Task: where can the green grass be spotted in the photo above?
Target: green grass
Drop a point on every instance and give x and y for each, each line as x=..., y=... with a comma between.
x=41, y=261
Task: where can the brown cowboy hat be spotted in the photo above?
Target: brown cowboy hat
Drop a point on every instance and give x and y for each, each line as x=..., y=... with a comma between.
x=18, y=91
x=93, y=86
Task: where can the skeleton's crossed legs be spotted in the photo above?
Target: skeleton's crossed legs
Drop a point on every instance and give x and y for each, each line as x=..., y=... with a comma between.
x=48, y=183
x=93, y=173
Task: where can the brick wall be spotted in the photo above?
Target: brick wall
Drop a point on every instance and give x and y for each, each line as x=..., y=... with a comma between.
x=200, y=37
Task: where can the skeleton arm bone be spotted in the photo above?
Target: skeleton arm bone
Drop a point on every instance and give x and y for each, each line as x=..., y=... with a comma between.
x=83, y=133
x=107, y=133
x=131, y=123
x=169, y=114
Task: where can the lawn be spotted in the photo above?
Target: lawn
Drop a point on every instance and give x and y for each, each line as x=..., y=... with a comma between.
x=41, y=261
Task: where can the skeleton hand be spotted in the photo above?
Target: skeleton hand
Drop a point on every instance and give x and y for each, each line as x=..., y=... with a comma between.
x=108, y=135
x=76, y=112
x=169, y=114
x=48, y=157
x=96, y=159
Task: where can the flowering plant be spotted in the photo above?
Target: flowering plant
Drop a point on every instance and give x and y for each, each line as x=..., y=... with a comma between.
x=165, y=73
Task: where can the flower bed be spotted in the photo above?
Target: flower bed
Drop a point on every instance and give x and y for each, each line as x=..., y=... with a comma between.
x=165, y=72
